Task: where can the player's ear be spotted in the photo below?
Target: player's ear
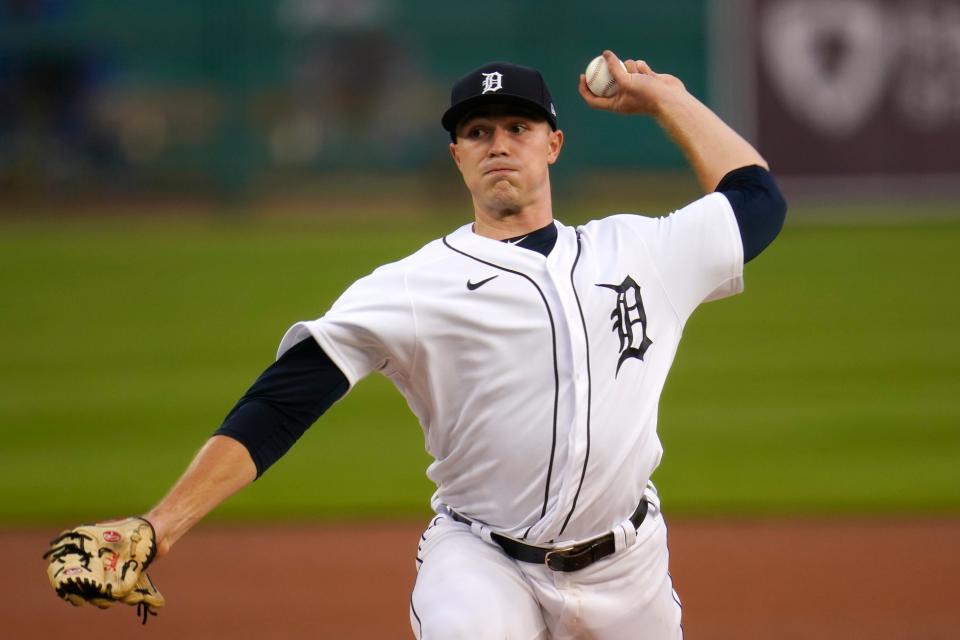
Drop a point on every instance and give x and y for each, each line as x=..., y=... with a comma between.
x=454, y=154
x=555, y=143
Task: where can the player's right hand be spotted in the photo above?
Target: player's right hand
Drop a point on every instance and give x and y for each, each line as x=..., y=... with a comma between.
x=105, y=563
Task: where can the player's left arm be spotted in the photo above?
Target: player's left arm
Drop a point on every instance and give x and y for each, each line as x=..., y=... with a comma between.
x=722, y=160
x=711, y=146
x=758, y=206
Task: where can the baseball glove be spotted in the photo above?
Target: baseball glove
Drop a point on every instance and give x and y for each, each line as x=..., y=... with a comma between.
x=105, y=563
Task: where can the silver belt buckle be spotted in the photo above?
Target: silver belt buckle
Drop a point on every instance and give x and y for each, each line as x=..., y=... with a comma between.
x=546, y=558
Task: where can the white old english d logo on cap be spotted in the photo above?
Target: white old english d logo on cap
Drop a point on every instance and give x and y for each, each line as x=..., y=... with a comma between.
x=492, y=82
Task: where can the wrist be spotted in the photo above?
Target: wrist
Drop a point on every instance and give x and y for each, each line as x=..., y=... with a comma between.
x=162, y=530
x=671, y=104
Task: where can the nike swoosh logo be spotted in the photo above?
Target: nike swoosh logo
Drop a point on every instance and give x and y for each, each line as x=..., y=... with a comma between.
x=476, y=285
x=517, y=241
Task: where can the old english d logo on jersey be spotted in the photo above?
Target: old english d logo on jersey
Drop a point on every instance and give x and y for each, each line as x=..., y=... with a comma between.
x=492, y=81
x=630, y=321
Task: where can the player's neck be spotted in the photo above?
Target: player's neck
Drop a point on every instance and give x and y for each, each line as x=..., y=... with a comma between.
x=501, y=224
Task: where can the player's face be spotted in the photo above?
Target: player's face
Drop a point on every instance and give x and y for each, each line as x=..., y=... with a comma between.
x=504, y=156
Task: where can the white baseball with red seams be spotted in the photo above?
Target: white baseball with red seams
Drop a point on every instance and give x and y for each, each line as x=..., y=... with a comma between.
x=599, y=79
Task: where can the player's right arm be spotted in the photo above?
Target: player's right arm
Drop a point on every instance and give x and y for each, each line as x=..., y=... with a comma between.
x=221, y=468
x=318, y=362
x=277, y=409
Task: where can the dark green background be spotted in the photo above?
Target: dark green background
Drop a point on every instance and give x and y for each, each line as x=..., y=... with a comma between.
x=211, y=83
x=131, y=317
x=830, y=386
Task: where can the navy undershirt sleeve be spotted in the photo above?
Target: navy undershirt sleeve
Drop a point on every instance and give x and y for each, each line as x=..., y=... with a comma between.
x=283, y=402
x=758, y=206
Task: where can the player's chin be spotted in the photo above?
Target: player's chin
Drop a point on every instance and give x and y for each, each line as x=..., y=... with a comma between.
x=503, y=196
x=503, y=187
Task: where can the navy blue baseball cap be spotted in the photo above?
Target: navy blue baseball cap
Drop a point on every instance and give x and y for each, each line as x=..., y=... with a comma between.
x=499, y=83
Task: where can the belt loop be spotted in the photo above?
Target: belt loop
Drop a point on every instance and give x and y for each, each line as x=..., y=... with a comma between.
x=481, y=532
x=624, y=535
x=653, y=498
x=619, y=537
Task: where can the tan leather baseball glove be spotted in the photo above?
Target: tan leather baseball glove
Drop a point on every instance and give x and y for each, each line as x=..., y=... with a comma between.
x=104, y=563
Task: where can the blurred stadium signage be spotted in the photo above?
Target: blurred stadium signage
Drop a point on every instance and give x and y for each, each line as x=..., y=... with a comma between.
x=845, y=88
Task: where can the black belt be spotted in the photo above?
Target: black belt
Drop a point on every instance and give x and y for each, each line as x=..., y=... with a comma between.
x=572, y=558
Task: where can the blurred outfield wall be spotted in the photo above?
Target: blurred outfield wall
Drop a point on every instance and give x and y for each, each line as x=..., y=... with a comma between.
x=114, y=96
x=103, y=98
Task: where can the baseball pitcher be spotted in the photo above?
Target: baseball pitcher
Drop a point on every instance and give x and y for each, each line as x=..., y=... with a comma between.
x=533, y=354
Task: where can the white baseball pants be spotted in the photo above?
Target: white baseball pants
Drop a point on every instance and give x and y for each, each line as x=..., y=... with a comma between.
x=469, y=588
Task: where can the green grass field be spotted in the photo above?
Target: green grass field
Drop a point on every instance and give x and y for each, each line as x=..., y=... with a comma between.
x=832, y=386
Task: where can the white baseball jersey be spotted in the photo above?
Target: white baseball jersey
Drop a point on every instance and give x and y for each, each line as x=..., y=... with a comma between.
x=536, y=379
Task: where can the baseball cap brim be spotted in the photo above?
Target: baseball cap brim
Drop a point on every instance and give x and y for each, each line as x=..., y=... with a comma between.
x=499, y=83
x=453, y=116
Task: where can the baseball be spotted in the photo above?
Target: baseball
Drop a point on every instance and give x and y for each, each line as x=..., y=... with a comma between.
x=599, y=79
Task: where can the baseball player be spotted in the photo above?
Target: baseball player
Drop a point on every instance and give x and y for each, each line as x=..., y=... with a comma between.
x=532, y=353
